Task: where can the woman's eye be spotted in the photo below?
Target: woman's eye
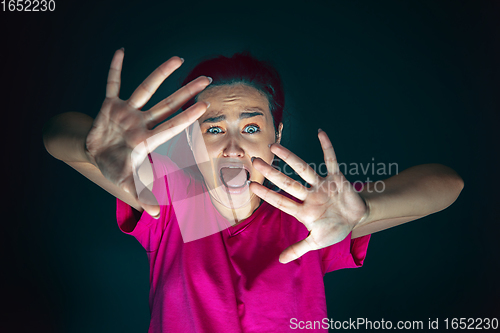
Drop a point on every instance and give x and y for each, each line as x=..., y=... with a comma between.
x=214, y=130
x=251, y=129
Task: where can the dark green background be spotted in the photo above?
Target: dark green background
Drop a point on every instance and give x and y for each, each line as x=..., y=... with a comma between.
x=401, y=82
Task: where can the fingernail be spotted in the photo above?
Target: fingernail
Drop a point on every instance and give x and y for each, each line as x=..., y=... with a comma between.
x=320, y=130
x=269, y=145
x=253, y=158
x=208, y=104
x=182, y=59
x=123, y=49
x=209, y=79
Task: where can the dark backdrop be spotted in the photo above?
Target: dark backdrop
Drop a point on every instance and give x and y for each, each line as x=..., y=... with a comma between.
x=390, y=82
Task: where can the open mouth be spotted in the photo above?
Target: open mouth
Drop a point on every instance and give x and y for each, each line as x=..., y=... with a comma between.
x=234, y=177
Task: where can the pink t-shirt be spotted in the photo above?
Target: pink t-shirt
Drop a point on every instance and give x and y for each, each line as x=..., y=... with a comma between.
x=230, y=281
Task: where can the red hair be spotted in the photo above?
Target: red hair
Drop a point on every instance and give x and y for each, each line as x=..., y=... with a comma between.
x=243, y=68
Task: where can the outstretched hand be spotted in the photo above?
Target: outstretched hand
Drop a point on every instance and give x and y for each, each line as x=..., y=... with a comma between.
x=330, y=208
x=122, y=135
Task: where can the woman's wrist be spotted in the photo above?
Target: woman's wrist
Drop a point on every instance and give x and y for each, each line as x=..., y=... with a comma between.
x=88, y=155
x=364, y=219
x=65, y=137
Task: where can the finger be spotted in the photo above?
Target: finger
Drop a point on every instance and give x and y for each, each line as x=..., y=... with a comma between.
x=284, y=182
x=296, y=251
x=328, y=152
x=148, y=87
x=342, y=183
x=275, y=199
x=174, y=126
x=171, y=104
x=301, y=167
x=143, y=195
x=114, y=80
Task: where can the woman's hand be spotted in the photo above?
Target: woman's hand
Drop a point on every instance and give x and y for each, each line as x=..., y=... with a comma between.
x=117, y=144
x=330, y=208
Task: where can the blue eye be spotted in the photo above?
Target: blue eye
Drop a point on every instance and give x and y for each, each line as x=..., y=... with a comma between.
x=214, y=130
x=251, y=129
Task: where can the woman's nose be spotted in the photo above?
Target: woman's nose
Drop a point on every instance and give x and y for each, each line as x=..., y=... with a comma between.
x=233, y=149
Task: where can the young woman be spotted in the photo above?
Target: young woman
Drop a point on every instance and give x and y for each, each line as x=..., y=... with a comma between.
x=226, y=253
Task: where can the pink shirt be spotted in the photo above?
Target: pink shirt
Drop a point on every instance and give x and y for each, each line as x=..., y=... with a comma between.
x=230, y=281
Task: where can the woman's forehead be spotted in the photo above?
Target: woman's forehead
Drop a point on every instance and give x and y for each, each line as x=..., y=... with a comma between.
x=234, y=99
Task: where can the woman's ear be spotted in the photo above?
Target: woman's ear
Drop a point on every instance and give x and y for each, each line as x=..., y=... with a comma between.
x=278, y=133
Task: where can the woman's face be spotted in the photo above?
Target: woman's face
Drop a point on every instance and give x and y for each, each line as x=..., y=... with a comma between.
x=237, y=126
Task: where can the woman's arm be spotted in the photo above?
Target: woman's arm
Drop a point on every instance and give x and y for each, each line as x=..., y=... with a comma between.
x=110, y=149
x=414, y=193
x=331, y=208
x=64, y=138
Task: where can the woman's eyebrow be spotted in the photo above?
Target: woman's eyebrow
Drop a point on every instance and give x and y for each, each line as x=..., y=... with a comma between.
x=215, y=119
x=243, y=115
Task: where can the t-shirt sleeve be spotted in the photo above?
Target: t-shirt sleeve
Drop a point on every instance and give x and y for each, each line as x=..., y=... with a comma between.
x=147, y=230
x=349, y=253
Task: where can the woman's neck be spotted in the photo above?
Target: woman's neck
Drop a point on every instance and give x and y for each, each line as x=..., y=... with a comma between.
x=237, y=215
